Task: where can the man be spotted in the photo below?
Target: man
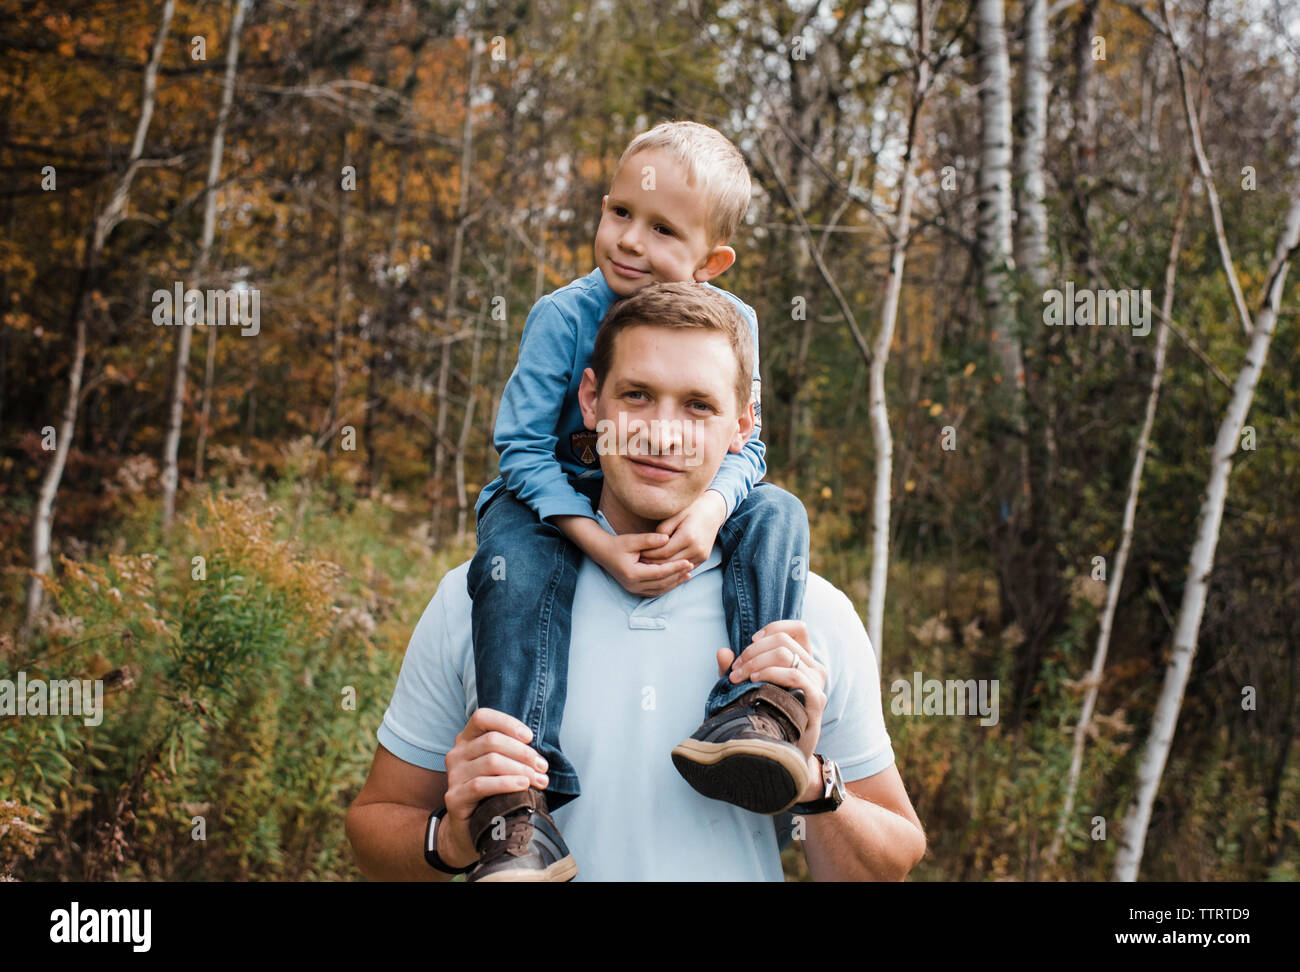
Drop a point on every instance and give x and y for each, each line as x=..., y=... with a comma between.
x=638, y=669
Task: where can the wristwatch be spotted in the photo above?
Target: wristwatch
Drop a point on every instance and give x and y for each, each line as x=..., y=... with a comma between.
x=833, y=795
x=431, y=846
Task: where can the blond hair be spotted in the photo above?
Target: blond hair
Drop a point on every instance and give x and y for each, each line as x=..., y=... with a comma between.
x=678, y=305
x=712, y=163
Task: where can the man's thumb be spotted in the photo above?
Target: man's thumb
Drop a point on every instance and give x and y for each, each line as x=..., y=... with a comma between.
x=725, y=655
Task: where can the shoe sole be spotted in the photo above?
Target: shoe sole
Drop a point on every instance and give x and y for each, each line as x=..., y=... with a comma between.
x=565, y=869
x=756, y=776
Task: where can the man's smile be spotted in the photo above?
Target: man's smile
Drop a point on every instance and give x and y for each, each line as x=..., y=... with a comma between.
x=652, y=469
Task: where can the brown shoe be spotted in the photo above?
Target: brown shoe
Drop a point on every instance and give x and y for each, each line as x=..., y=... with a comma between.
x=517, y=840
x=746, y=753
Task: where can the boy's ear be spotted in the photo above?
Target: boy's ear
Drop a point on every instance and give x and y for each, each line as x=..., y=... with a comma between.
x=603, y=199
x=718, y=261
x=587, y=398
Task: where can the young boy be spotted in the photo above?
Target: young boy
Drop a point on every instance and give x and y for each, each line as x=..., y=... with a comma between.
x=678, y=195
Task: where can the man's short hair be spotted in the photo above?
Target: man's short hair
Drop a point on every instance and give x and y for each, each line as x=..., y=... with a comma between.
x=678, y=305
x=712, y=163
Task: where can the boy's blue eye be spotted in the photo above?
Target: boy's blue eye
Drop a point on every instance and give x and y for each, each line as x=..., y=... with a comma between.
x=667, y=231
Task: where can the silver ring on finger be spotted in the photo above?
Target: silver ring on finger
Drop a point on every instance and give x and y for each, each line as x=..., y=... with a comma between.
x=796, y=662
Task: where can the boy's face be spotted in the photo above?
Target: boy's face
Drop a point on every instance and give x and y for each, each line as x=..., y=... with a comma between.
x=652, y=228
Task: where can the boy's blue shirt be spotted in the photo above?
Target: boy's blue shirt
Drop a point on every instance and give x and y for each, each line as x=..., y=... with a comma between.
x=540, y=435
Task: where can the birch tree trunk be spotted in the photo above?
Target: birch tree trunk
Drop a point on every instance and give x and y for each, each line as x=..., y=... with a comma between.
x=209, y=367
x=453, y=294
x=1019, y=579
x=375, y=355
x=882, y=439
x=800, y=260
x=1093, y=680
x=466, y=424
x=808, y=94
x=1083, y=137
x=171, y=445
x=205, y=409
x=509, y=98
x=1201, y=562
x=42, y=523
x=105, y=223
x=1031, y=211
x=1035, y=549
x=995, y=197
x=336, y=325
x=1207, y=178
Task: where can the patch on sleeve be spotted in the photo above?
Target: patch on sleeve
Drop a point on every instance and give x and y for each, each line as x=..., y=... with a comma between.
x=583, y=445
x=755, y=390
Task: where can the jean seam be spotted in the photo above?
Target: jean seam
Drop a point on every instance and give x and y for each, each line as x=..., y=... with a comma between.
x=547, y=659
x=729, y=540
x=744, y=607
x=564, y=556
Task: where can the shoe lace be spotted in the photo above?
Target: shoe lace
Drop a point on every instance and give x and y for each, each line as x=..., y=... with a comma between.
x=519, y=833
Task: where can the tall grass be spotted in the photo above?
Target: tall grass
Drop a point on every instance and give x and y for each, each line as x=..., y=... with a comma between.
x=246, y=670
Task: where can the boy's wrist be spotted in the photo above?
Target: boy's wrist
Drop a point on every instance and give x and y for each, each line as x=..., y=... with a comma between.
x=590, y=539
x=594, y=545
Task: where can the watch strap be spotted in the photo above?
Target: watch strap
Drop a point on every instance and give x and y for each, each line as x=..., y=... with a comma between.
x=833, y=797
x=431, y=846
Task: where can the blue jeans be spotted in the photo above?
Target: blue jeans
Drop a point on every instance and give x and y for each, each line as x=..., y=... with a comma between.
x=522, y=581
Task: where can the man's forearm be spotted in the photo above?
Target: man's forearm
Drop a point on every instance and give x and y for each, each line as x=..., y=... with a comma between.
x=388, y=840
x=861, y=841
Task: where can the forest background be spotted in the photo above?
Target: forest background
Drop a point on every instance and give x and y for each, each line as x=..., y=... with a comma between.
x=235, y=528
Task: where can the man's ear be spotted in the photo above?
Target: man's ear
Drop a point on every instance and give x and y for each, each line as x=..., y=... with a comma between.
x=744, y=426
x=587, y=398
x=718, y=261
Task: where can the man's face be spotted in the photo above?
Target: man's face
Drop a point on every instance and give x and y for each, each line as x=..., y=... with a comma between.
x=652, y=228
x=674, y=392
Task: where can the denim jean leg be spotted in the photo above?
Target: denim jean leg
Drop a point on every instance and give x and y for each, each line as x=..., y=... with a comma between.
x=522, y=581
x=554, y=631
x=765, y=569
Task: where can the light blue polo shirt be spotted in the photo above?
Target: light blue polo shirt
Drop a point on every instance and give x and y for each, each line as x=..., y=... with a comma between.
x=640, y=670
